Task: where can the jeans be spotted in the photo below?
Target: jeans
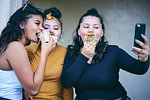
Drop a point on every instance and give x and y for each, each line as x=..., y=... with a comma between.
x=3, y=98
x=121, y=98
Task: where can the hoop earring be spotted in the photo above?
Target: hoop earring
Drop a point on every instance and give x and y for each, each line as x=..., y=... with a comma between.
x=80, y=40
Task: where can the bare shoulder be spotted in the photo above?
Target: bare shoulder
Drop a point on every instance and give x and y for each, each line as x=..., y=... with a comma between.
x=15, y=47
x=15, y=44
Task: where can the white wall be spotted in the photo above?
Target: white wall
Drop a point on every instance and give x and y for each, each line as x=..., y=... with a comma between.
x=7, y=8
x=120, y=18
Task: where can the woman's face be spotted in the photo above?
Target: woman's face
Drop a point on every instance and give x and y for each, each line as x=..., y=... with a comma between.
x=32, y=27
x=53, y=27
x=90, y=24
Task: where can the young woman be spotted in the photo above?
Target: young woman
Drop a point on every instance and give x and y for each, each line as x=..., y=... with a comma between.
x=15, y=68
x=51, y=88
x=92, y=66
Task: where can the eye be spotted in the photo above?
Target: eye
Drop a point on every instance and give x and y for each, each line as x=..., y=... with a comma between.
x=96, y=27
x=85, y=26
x=56, y=28
x=37, y=23
x=45, y=27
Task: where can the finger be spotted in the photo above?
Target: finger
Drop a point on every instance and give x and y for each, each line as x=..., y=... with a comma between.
x=145, y=40
x=42, y=39
x=93, y=43
x=138, y=50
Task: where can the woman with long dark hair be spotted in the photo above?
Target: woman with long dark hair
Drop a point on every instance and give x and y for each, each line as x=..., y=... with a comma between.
x=15, y=69
x=92, y=66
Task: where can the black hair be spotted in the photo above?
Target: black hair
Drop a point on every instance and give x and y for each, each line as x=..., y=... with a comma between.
x=54, y=12
x=74, y=49
x=12, y=31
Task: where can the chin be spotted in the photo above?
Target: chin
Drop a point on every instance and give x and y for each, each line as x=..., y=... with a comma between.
x=36, y=40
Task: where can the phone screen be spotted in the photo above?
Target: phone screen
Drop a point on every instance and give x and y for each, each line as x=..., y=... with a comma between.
x=139, y=29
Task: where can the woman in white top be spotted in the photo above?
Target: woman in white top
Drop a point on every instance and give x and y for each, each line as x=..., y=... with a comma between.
x=15, y=69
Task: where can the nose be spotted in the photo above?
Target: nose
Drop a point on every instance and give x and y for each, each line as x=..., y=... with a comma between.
x=90, y=29
x=51, y=32
x=41, y=28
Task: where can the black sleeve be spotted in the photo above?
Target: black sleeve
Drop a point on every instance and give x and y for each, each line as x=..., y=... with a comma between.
x=72, y=70
x=130, y=64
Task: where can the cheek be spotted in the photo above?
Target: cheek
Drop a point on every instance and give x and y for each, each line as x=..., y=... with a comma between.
x=58, y=34
x=99, y=35
x=82, y=34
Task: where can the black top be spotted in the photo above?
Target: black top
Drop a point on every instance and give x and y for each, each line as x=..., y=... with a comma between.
x=100, y=80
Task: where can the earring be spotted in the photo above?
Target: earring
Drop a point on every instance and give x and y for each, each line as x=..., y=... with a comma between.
x=80, y=40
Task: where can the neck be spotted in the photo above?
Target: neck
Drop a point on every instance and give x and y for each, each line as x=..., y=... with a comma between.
x=23, y=40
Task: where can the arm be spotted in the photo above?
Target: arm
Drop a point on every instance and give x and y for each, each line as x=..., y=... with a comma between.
x=72, y=70
x=26, y=96
x=141, y=65
x=68, y=94
x=130, y=64
x=18, y=60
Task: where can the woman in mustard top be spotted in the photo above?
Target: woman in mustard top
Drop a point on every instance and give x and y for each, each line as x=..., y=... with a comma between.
x=51, y=88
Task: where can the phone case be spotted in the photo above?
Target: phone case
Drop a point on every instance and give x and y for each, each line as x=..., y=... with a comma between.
x=139, y=29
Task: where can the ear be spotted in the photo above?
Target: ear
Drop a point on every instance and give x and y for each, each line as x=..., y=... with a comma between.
x=102, y=33
x=79, y=32
x=22, y=25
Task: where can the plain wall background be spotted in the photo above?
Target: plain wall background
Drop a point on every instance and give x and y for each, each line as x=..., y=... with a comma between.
x=120, y=17
x=7, y=8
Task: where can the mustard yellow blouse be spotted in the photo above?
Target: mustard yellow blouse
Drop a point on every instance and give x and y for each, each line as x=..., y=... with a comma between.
x=51, y=88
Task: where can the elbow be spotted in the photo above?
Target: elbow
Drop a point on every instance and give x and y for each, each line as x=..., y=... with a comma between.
x=143, y=72
x=33, y=92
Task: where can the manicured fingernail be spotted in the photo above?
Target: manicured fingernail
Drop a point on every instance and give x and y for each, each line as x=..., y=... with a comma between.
x=96, y=40
x=133, y=48
x=136, y=40
x=142, y=35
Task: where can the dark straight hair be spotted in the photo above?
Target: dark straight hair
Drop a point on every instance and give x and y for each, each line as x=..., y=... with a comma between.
x=74, y=50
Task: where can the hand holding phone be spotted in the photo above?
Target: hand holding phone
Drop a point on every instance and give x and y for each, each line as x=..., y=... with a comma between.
x=139, y=29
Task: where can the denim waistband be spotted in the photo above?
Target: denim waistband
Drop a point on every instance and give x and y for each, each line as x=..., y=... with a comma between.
x=3, y=98
x=120, y=98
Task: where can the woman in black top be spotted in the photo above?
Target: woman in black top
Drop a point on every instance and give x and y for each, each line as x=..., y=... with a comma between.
x=92, y=66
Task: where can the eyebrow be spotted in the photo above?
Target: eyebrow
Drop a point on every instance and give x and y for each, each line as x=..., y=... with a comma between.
x=53, y=25
x=38, y=21
x=88, y=24
x=56, y=25
x=46, y=25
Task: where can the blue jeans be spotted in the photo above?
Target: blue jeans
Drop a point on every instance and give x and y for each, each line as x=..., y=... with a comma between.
x=121, y=98
x=3, y=98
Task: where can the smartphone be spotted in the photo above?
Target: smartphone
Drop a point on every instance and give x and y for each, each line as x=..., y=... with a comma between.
x=139, y=29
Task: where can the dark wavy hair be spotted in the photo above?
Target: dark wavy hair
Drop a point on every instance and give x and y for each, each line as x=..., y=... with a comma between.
x=12, y=31
x=74, y=49
x=54, y=12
